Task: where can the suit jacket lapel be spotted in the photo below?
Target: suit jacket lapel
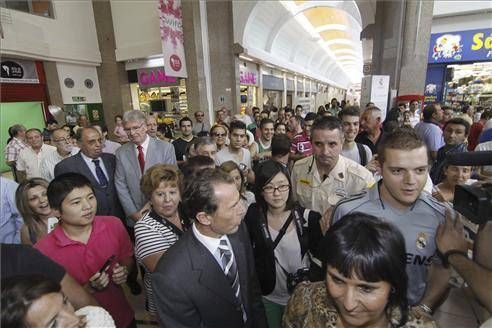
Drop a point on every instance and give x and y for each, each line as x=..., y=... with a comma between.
x=109, y=168
x=87, y=171
x=210, y=273
x=150, y=151
x=132, y=157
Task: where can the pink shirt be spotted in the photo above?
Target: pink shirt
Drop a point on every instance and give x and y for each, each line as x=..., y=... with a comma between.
x=301, y=144
x=108, y=237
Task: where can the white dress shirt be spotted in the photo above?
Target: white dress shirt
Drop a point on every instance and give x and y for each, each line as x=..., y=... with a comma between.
x=49, y=161
x=212, y=244
x=92, y=166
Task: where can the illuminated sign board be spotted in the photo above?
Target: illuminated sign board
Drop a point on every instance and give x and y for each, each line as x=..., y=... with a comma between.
x=461, y=46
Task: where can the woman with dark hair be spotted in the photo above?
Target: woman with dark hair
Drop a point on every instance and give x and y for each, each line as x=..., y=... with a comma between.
x=365, y=284
x=284, y=237
x=36, y=301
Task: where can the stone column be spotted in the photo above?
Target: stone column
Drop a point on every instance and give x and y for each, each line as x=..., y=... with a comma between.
x=401, y=43
x=196, y=86
x=113, y=78
x=213, y=72
x=53, y=83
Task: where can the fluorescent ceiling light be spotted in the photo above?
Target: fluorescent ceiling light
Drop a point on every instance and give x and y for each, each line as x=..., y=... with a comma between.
x=340, y=41
x=330, y=27
x=345, y=51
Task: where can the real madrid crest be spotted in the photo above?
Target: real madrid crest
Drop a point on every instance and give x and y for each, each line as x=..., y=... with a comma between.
x=421, y=240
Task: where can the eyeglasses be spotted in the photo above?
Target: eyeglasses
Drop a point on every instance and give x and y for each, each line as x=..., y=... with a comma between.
x=63, y=139
x=271, y=189
x=134, y=128
x=220, y=134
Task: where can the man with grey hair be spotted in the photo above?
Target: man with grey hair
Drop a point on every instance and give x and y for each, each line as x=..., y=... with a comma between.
x=134, y=158
x=64, y=148
x=206, y=146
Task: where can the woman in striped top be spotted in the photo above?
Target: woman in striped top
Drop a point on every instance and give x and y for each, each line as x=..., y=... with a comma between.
x=162, y=226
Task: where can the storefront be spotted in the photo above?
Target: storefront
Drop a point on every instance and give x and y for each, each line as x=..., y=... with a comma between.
x=152, y=91
x=273, y=88
x=460, y=68
x=248, y=84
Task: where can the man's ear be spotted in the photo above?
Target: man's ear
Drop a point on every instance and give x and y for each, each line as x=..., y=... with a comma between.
x=203, y=218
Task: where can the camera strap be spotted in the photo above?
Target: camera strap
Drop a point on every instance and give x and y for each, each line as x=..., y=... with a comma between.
x=282, y=231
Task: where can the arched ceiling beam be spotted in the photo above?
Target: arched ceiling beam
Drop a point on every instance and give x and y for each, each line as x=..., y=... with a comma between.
x=296, y=10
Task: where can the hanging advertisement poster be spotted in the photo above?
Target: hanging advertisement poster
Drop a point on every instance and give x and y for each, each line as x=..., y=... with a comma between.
x=171, y=25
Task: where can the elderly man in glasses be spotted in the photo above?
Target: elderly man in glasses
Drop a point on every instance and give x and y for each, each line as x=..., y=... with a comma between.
x=64, y=148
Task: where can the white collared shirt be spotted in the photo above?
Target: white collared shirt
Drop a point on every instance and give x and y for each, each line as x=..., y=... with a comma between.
x=30, y=161
x=212, y=244
x=92, y=165
x=49, y=161
x=145, y=146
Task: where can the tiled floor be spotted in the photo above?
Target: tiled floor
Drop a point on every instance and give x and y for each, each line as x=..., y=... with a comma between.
x=456, y=312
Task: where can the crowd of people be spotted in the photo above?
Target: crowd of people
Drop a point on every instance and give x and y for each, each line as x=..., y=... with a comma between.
x=279, y=218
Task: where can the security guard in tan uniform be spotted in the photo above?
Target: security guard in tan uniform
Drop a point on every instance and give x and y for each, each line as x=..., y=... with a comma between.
x=321, y=180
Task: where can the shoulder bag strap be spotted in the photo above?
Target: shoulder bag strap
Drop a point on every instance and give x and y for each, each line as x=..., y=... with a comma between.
x=362, y=154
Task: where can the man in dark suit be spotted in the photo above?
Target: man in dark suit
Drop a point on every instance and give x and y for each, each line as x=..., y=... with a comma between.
x=207, y=279
x=96, y=166
x=134, y=158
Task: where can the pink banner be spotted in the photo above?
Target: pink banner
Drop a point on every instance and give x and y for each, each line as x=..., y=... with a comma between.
x=171, y=24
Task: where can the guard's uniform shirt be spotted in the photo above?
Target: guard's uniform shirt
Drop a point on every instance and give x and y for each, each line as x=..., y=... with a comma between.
x=347, y=178
x=418, y=226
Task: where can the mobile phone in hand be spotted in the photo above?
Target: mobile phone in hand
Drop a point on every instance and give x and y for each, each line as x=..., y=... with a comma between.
x=107, y=264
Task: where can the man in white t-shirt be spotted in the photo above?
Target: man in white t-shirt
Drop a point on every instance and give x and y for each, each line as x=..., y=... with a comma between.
x=235, y=152
x=357, y=152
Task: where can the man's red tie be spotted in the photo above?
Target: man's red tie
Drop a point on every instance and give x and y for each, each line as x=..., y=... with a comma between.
x=141, y=158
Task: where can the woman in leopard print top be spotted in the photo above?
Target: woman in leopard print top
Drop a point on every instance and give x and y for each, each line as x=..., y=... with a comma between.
x=366, y=282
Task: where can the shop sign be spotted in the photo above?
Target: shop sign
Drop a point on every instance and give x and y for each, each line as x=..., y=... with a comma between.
x=248, y=74
x=153, y=77
x=172, y=37
x=461, y=46
x=248, y=78
x=18, y=71
x=273, y=83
